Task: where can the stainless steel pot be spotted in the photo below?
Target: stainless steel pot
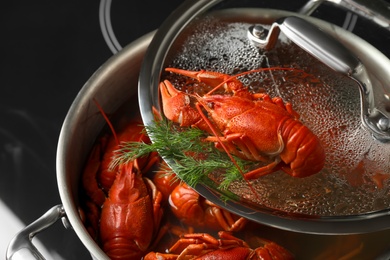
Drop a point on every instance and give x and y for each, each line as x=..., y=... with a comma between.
x=112, y=84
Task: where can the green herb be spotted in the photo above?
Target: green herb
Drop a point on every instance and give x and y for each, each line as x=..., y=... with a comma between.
x=192, y=158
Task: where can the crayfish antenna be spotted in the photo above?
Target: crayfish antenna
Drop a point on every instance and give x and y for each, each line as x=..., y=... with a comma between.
x=231, y=83
x=107, y=121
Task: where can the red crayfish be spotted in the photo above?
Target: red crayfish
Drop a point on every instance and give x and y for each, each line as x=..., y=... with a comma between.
x=191, y=208
x=205, y=246
x=252, y=126
x=194, y=210
x=123, y=215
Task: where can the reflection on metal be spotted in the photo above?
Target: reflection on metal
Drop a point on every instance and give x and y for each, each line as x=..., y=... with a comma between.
x=350, y=21
x=21, y=246
x=378, y=11
x=106, y=26
x=310, y=7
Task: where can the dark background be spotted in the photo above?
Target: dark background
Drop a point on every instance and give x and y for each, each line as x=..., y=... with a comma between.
x=49, y=49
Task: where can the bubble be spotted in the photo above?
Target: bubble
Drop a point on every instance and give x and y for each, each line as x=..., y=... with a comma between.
x=355, y=177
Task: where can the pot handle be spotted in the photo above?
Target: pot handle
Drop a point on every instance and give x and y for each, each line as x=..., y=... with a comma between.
x=21, y=246
x=377, y=11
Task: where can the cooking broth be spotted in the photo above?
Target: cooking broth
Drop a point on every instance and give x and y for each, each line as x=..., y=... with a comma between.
x=355, y=178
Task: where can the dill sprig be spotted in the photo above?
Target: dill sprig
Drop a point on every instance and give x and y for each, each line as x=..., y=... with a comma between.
x=191, y=158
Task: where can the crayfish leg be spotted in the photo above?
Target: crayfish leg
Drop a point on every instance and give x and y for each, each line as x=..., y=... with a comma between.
x=157, y=197
x=239, y=145
x=225, y=219
x=158, y=256
x=189, y=240
x=262, y=171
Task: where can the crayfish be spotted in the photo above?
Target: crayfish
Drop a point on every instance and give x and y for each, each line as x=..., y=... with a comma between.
x=205, y=246
x=252, y=126
x=122, y=207
x=194, y=210
x=191, y=208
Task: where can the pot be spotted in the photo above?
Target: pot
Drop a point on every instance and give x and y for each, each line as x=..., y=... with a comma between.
x=81, y=127
x=112, y=85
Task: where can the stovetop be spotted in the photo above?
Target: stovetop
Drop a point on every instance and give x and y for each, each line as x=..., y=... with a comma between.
x=49, y=50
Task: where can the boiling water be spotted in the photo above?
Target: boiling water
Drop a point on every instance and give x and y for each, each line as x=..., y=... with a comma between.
x=355, y=178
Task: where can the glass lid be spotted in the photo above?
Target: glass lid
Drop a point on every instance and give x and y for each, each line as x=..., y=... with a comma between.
x=278, y=112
